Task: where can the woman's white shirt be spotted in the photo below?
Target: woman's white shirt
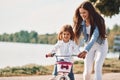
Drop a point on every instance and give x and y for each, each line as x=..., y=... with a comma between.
x=88, y=29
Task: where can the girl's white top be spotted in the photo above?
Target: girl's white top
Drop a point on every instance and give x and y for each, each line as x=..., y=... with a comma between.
x=67, y=49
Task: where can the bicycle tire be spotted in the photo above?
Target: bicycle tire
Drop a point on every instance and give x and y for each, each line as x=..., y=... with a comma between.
x=63, y=78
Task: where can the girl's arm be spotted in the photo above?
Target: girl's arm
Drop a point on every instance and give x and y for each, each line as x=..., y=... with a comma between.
x=53, y=51
x=55, y=48
x=76, y=49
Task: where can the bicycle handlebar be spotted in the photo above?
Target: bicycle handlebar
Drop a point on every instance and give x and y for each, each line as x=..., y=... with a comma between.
x=65, y=55
x=61, y=55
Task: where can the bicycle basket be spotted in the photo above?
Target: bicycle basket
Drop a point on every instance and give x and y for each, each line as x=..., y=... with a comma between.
x=63, y=66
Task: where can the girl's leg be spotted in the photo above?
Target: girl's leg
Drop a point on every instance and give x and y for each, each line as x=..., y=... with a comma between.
x=55, y=70
x=100, y=57
x=71, y=74
x=54, y=73
x=88, y=64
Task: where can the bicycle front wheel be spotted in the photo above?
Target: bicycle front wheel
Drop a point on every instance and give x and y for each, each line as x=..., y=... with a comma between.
x=63, y=78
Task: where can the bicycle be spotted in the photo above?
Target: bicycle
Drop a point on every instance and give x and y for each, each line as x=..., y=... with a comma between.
x=63, y=67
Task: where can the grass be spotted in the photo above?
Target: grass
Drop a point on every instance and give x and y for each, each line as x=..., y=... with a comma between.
x=110, y=65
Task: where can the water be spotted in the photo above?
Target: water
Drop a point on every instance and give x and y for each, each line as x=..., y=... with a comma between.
x=19, y=54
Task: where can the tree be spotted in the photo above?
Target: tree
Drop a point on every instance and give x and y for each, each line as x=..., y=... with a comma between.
x=107, y=7
x=116, y=28
x=33, y=35
x=23, y=36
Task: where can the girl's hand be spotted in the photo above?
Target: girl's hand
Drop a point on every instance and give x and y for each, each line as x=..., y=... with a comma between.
x=49, y=55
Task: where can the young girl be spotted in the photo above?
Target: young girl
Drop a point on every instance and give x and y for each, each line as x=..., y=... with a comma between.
x=65, y=46
x=89, y=22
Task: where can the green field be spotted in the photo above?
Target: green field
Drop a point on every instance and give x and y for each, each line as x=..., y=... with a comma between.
x=110, y=65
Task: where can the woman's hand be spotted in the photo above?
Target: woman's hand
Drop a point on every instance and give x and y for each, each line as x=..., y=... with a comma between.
x=82, y=54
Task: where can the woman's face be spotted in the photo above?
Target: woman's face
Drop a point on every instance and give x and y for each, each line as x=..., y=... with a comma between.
x=84, y=14
x=66, y=36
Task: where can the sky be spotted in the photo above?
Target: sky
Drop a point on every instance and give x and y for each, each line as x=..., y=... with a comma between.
x=42, y=16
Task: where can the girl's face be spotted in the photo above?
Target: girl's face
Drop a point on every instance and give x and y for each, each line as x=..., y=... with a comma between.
x=66, y=36
x=84, y=14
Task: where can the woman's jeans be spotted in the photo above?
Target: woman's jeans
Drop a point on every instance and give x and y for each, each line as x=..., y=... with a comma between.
x=96, y=57
x=71, y=75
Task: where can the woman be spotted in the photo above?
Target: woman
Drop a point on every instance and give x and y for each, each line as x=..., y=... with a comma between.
x=90, y=23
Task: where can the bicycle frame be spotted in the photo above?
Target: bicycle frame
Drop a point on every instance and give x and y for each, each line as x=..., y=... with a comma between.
x=63, y=67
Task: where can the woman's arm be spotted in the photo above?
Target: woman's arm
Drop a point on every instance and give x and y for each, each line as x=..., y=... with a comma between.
x=93, y=39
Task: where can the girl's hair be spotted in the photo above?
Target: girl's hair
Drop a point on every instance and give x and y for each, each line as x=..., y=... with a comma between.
x=66, y=28
x=95, y=19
